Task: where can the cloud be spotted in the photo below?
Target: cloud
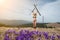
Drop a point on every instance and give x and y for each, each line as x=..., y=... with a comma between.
x=43, y=2
x=51, y=12
x=49, y=1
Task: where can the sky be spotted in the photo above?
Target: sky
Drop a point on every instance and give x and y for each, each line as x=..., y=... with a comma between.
x=22, y=10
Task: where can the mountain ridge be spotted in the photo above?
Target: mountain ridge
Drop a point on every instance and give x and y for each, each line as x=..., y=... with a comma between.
x=14, y=22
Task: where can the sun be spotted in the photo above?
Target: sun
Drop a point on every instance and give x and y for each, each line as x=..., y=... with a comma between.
x=2, y=1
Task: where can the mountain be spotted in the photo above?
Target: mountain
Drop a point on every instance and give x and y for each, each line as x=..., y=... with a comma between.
x=14, y=22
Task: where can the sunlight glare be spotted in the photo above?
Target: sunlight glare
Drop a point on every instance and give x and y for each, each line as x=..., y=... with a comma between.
x=2, y=1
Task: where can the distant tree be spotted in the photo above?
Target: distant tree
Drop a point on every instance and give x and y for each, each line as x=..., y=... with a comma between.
x=1, y=24
x=58, y=22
